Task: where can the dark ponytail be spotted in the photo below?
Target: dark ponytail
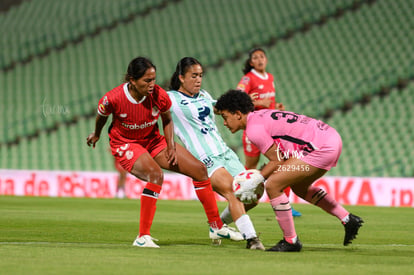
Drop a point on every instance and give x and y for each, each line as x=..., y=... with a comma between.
x=247, y=67
x=182, y=67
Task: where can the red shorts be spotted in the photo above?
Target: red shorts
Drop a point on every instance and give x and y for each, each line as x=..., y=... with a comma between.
x=126, y=154
x=249, y=148
x=118, y=166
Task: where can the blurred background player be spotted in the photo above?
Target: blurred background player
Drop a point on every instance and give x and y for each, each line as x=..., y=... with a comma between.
x=141, y=150
x=122, y=175
x=317, y=148
x=194, y=123
x=259, y=85
x=121, y=180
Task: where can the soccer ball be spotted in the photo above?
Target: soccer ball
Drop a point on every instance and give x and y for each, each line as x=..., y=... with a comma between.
x=247, y=175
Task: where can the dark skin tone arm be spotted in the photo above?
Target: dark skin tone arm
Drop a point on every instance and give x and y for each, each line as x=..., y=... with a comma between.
x=93, y=138
x=168, y=127
x=274, y=161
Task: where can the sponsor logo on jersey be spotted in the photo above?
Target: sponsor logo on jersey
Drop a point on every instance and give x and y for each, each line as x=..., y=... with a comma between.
x=241, y=87
x=267, y=95
x=129, y=154
x=245, y=80
x=155, y=111
x=261, y=87
x=203, y=112
x=123, y=115
x=208, y=162
x=140, y=126
x=101, y=109
x=184, y=102
x=105, y=101
x=205, y=130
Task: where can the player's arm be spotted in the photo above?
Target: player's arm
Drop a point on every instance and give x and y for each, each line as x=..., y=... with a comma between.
x=264, y=103
x=275, y=160
x=93, y=138
x=280, y=106
x=168, y=127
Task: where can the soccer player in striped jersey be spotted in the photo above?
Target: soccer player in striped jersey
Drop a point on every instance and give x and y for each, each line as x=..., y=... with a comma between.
x=194, y=123
x=260, y=85
x=138, y=146
x=300, y=150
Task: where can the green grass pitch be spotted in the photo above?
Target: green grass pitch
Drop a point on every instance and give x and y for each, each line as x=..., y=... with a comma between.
x=94, y=236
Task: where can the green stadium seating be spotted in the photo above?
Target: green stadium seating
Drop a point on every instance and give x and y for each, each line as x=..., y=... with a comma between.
x=376, y=136
x=320, y=69
x=44, y=24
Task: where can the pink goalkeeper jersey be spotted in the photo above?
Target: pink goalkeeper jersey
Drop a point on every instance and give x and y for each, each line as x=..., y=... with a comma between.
x=291, y=132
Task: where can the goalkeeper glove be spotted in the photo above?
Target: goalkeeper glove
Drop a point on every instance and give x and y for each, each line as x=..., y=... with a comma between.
x=246, y=193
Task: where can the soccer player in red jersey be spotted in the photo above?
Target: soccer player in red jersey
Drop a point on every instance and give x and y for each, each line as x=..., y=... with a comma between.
x=141, y=150
x=259, y=84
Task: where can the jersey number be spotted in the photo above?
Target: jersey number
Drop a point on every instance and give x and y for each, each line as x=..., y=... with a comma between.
x=291, y=118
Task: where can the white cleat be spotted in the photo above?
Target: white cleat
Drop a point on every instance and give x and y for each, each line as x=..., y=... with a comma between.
x=225, y=232
x=145, y=241
x=120, y=194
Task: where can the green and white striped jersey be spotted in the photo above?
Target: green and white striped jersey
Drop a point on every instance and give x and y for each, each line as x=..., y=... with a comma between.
x=194, y=124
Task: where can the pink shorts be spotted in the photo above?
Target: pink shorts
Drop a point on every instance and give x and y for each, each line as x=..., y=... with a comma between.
x=328, y=152
x=126, y=154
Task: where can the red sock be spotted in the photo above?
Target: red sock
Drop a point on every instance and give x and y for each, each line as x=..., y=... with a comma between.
x=287, y=191
x=149, y=198
x=284, y=217
x=325, y=201
x=205, y=194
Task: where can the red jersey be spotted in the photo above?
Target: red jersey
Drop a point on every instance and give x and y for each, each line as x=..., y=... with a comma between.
x=264, y=86
x=133, y=121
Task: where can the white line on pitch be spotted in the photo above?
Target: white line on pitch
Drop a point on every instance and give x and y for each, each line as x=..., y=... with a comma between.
x=390, y=245
x=123, y=244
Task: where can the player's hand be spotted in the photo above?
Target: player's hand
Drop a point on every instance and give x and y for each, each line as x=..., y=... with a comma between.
x=248, y=197
x=280, y=106
x=266, y=102
x=92, y=139
x=171, y=155
x=246, y=193
x=254, y=96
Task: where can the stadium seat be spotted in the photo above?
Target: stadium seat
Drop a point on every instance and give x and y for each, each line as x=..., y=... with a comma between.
x=323, y=68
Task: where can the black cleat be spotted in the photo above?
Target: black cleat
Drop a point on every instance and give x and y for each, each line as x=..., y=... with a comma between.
x=255, y=243
x=351, y=228
x=284, y=246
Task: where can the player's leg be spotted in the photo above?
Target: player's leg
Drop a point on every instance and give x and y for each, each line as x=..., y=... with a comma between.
x=135, y=159
x=147, y=169
x=277, y=182
x=221, y=181
x=226, y=216
x=325, y=201
x=294, y=212
x=251, y=162
x=188, y=165
x=326, y=157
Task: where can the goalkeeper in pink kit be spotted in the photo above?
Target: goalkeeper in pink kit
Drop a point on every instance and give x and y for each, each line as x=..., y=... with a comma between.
x=300, y=150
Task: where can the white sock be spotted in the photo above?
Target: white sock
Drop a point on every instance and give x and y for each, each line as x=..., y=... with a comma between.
x=226, y=216
x=346, y=219
x=245, y=226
